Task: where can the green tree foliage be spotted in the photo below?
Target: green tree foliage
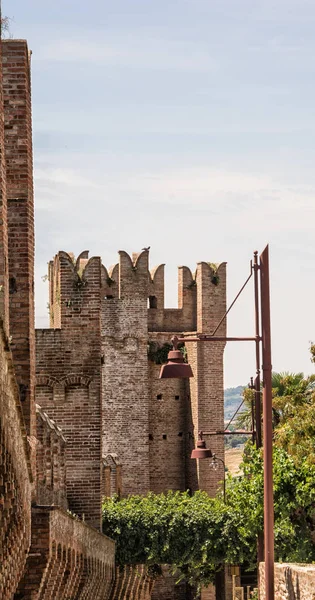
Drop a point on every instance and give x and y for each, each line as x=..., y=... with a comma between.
x=288, y=390
x=194, y=534
x=294, y=417
x=294, y=504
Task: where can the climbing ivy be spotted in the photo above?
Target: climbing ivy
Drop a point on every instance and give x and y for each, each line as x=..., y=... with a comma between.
x=215, y=279
x=158, y=353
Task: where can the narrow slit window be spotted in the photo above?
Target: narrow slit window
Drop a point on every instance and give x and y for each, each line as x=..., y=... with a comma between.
x=152, y=302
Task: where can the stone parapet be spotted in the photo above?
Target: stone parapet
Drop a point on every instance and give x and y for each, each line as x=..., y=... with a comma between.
x=132, y=583
x=292, y=581
x=68, y=559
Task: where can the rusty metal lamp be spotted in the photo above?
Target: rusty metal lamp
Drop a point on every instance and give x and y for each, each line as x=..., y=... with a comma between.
x=175, y=367
x=201, y=451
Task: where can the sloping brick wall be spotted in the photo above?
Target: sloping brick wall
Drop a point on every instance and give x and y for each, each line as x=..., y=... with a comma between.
x=67, y=560
x=15, y=479
x=292, y=581
x=132, y=583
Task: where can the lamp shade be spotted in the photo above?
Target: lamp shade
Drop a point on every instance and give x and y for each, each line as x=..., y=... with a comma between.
x=175, y=368
x=201, y=451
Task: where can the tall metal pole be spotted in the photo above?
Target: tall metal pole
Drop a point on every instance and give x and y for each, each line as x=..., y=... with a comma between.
x=260, y=541
x=257, y=334
x=267, y=425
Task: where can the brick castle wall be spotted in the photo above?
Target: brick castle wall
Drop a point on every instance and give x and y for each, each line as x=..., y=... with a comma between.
x=51, y=484
x=125, y=372
x=4, y=259
x=69, y=380
x=15, y=479
x=151, y=425
x=68, y=559
x=20, y=213
x=132, y=583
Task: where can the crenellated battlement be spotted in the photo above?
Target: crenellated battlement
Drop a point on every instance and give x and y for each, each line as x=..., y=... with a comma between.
x=74, y=287
x=201, y=295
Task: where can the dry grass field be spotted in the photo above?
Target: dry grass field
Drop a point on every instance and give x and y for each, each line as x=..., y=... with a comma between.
x=233, y=458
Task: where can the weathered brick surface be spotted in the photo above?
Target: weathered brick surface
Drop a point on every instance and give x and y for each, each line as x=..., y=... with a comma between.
x=20, y=213
x=15, y=475
x=125, y=372
x=165, y=587
x=292, y=581
x=132, y=583
x=68, y=559
x=135, y=402
x=4, y=259
x=69, y=380
x=51, y=486
x=169, y=430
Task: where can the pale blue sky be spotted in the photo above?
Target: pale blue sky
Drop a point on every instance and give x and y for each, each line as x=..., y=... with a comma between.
x=185, y=125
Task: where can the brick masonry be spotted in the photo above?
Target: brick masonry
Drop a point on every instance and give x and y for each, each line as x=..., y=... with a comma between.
x=19, y=182
x=67, y=559
x=165, y=415
x=292, y=582
x=4, y=259
x=69, y=378
x=132, y=583
x=15, y=478
x=51, y=483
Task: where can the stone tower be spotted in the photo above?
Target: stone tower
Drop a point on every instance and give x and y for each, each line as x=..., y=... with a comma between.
x=68, y=369
x=98, y=366
x=150, y=424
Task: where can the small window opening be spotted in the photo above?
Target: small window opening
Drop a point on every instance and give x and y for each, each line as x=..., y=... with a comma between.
x=159, y=397
x=164, y=436
x=176, y=397
x=12, y=285
x=108, y=297
x=152, y=302
x=180, y=434
x=150, y=437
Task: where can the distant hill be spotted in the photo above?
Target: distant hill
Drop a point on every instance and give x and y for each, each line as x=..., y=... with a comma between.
x=232, y=400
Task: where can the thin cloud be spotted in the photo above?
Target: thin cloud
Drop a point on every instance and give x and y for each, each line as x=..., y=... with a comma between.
x=238, y=195
x=133, y=51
